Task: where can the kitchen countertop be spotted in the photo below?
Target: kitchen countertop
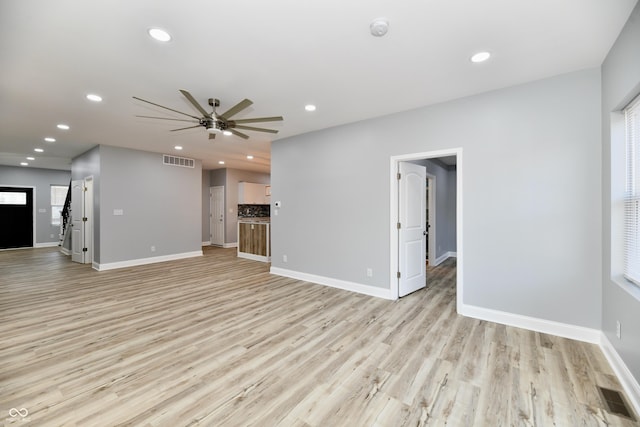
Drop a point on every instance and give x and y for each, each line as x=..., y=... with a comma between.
x=261, y=220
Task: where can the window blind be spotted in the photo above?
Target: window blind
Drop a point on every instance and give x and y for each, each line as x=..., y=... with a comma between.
x=632, y=193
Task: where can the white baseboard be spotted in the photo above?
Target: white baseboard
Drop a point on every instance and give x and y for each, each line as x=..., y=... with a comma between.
x=629, y=383
x=206, y=243
x=46, y=244
x=65, y=251
x=334, y=283
x=564, y=330
x=230, y=245
x=443, y=257
x=143, y=261
x=254, y=257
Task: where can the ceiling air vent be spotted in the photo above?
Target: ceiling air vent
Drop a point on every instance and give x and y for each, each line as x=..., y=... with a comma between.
x=178, y=161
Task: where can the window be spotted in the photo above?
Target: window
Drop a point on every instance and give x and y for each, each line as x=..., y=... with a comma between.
x=13, y=198
x=632, y=193
x=58, y=196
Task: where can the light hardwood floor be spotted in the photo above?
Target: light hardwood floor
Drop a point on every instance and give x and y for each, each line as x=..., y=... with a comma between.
x=218, y=341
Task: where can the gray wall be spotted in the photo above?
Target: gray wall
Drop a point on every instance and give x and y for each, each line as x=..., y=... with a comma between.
x=229, y=178
x=531, y=177
x=161, y=204
x=84, y=166
x=41, y=180
x=620, y=83
x=206, y=224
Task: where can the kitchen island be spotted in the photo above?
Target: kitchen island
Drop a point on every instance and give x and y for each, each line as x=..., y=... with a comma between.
x=254, y=238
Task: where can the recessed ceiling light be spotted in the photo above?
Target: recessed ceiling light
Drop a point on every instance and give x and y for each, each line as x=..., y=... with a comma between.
x=24, y=164
x=63, y=126
x=310, y=107
x=31, y=158
x=178, y=147
x=480, y=57
x=49, y=139
x=250, y=157
x=221, y=162
x=226, y=132
x=93, y=97
x=159, y=34
x=379, y=27
x=38, y=150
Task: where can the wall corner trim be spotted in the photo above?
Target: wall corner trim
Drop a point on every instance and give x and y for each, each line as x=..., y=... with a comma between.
x=579, y=333
x=143, y=261
x=334, y=283
x=629, y=383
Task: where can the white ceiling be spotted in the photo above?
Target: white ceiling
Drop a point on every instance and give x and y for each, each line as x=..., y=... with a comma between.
x=282, y=54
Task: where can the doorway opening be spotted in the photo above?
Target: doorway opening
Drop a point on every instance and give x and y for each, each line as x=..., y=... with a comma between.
x=437, y=249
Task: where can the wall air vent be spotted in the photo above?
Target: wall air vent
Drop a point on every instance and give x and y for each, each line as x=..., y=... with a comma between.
x=178, y=161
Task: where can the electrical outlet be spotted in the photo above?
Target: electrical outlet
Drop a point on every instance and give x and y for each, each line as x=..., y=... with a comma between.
x=618, y=329
x=369, y=272
x=284, y=258
x=51, y=236
x=153, y=248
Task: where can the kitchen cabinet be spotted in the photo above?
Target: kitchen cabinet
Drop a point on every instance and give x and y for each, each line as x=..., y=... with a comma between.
x=250, y=193
x=254, y=240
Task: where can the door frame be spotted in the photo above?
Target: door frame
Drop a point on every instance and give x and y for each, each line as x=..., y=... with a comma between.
x=224, y=219
x=431, y=219
x=34, y=218
x=393, y=218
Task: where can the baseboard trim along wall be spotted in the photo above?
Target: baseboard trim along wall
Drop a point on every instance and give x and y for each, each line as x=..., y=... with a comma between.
x=334, y=283
x=143, y=261
x=230, y=245
x=629, y=383
x=564, y=330
x=206, y=243
x=46, y=244
x=443, y=258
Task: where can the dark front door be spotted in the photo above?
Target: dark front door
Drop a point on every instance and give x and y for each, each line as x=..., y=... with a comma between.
x=16, y=217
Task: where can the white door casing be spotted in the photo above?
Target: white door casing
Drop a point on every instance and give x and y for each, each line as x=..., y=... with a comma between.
x=77, y=224
x=216, y=209
x=411, y=232
x=88, y=224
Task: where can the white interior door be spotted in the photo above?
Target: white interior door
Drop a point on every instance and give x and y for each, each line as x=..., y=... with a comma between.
x=412, y=232
x=217, y=215
x=77, y=223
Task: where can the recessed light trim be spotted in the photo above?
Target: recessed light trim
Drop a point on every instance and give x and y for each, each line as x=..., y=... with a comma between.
x=31, y=158
x=250, y=157
x=221, y=162
x=310, y=107
x=93, y=97
x=159, y=34
x=38, y=150
x=227, y=132
x=49, y=139
x=24, y=164
x=63, y=126
x=480, y=57
x=178, y=147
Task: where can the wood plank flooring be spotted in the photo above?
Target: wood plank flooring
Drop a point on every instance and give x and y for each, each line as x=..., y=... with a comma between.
x=218, y=341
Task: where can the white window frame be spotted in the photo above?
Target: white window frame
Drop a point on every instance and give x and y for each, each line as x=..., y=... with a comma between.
x=631, y=236
x=55, y=207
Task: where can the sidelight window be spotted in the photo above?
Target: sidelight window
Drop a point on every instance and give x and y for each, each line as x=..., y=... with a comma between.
x=632, y=193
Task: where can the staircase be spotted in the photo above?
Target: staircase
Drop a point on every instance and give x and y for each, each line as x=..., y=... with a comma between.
x=65, y=229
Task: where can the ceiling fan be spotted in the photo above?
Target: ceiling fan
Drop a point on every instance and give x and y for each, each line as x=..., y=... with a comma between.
x=214, y=122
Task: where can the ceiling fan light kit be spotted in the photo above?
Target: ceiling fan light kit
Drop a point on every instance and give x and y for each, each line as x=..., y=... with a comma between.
x=213, y=122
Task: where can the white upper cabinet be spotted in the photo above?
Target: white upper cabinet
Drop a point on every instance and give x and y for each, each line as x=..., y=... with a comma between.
x=253, y=194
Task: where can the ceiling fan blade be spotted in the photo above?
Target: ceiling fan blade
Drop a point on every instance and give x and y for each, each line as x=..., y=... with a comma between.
x=260, y=119
x=256, y=129
x=190, y=127
x=236, y=133
x=212, y=136
x=195, y=103
x=165, y=118
x=236, y=108
x=166, y=108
